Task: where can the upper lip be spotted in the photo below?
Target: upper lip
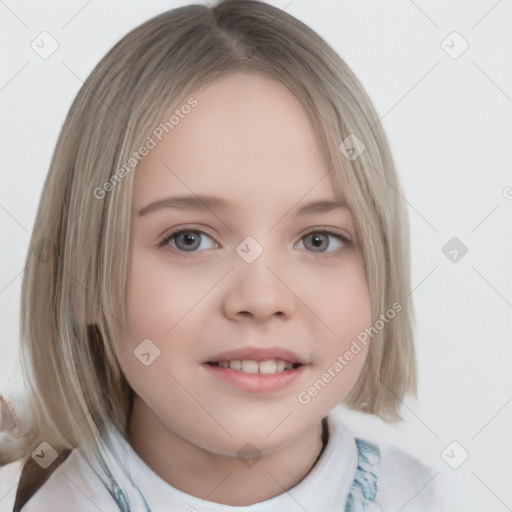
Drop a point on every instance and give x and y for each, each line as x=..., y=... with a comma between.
x=258, y=354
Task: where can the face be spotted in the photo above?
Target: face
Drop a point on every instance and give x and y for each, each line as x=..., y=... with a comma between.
x=247, y=298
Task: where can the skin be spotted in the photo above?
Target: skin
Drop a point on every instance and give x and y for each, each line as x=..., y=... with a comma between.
x=250, y=142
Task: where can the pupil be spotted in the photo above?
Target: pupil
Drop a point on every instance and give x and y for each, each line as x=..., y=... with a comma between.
x=318, y=241
x=190, y=240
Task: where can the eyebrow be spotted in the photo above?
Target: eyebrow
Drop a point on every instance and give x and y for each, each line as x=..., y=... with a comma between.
x=202, y=203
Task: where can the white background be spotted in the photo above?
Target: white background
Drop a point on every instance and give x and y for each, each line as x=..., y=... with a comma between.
x=449, y=124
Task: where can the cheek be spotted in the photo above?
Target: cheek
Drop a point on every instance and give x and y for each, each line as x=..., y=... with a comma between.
x=354, y=312
x=340, y=299
x=164, y=304
x=158, y=296
x=344, y=307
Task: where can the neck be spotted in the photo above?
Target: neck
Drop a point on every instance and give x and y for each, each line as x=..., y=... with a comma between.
x=220, y=478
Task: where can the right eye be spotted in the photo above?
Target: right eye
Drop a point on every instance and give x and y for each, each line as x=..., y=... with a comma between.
x=186, y=240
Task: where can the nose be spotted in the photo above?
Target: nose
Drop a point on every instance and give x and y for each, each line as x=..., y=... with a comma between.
x=259, y=291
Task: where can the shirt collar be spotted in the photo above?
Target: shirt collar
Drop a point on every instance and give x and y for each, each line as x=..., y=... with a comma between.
x=326, y=486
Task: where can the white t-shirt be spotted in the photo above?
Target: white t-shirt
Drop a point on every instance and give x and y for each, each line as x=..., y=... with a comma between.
x=402, y=483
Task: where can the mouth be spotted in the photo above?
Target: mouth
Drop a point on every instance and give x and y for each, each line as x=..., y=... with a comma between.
x=257, y=369
x=266, y=367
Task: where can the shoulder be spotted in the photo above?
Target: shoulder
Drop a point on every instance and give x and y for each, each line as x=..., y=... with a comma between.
x=404, y=481
x=71, y=486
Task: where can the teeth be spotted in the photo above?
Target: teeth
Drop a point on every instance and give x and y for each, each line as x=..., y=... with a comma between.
x=250, y=366
x=236, y=364
x=268, y=367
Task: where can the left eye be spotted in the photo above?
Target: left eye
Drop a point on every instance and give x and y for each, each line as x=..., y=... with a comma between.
x=319, y=241
x=186, y=240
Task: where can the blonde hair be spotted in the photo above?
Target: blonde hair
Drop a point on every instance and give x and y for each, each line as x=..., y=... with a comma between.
x=72, y=305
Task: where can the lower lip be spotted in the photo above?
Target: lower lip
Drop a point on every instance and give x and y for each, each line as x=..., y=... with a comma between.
x=255, y=382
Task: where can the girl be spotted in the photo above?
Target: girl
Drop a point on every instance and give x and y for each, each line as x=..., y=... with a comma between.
x=219, y=259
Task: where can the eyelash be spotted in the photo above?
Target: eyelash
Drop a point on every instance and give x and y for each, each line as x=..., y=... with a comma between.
x=167, y=237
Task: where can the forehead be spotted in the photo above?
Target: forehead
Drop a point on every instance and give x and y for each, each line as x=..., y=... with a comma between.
x=248, y=134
